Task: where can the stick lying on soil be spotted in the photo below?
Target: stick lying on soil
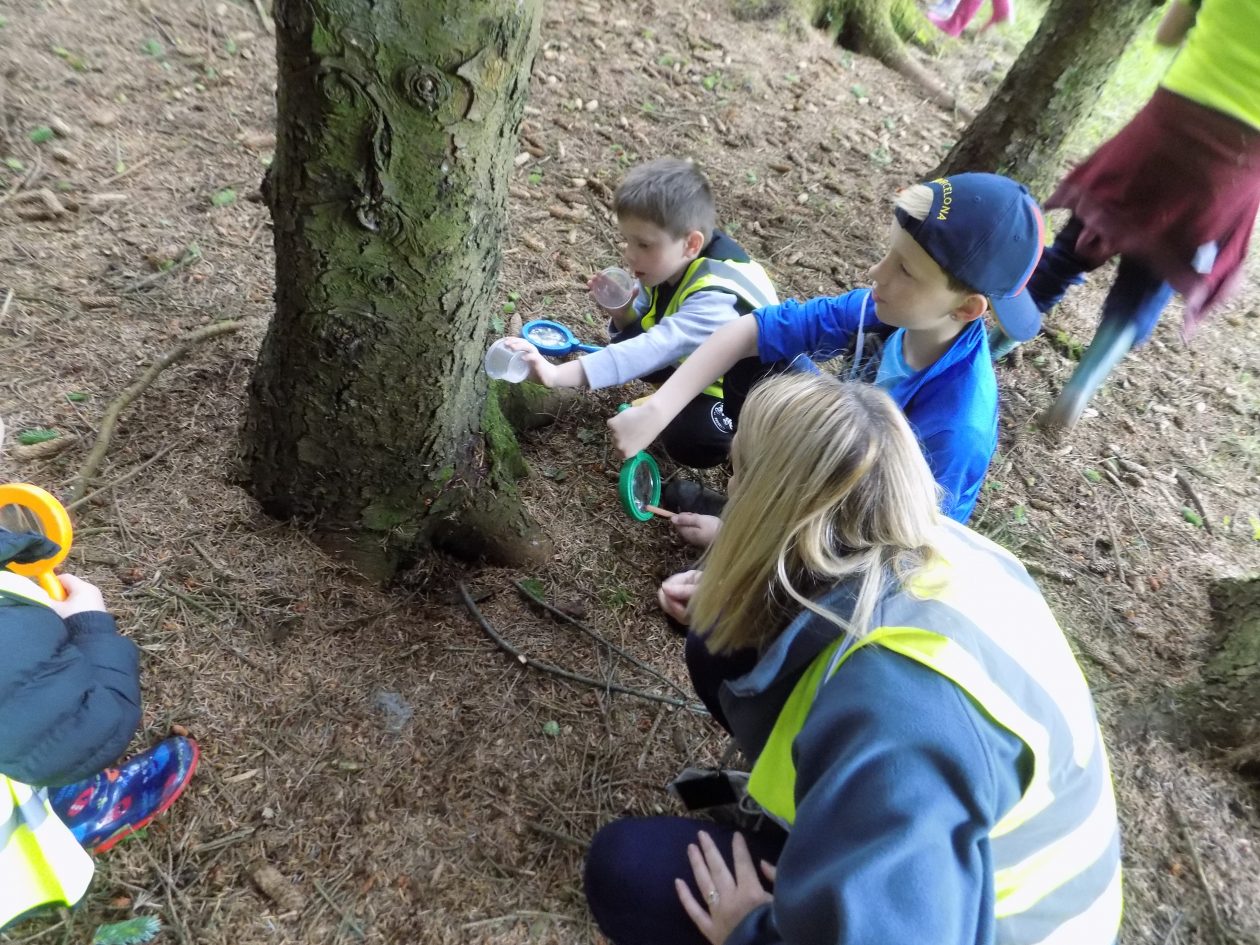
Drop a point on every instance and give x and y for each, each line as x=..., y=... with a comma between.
x=521, y=658
x=93, y=462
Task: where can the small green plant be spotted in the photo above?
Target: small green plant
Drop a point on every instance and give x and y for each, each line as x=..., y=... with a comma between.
x=551, y=728
x=618, y=597
x=229, y=46
x=135, y=931
x=534, y=587
x=224, y=197
x=41, y=134
x=509, y=308
x=1093, y=475
x=859, y=91
x=1191, y=516
x=151, y=47
x=750, y=176
x=881, y=157
x=1254, y=522
x=535, y=178
x=711, y=81
x=1019, y=515
x=77, y=396
x=37, y=435
x=14, y=164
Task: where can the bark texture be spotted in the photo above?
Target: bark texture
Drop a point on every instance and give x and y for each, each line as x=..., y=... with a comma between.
x=1223, y=707
x=368, y=415
x=1051, y=86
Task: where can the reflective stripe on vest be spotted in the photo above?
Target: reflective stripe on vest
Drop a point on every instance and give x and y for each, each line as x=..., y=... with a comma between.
x=41, y=862
x=747, y=281
x=1056, y=853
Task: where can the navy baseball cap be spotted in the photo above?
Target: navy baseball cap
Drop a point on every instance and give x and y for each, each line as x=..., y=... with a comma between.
x=986, y=231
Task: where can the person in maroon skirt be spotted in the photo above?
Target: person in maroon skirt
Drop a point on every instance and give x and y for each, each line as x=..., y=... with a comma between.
x=1174, y=195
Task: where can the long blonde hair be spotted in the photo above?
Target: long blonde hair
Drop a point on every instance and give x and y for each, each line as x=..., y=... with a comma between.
x=830, y=485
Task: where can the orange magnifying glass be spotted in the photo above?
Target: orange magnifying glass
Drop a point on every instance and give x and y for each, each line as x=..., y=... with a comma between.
x=27, y=508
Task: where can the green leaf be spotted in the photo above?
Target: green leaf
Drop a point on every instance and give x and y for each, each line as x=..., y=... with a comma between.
x=224, y=197
x=514, y=296
x=551, y=728
x=509, y=308
x=41, y=134
x=77, y=396
x=143, y=928
x=534, y=586
x=1191, y=516
x=229, y=46
x=858, y=90
x=14, y=164
x=1254, y=522
x=37, y=435
x=151, y=47
x=3, y=22
x=498, y=325
x=1093, y=475
x=535, y=178
x=73, y=60
x=1020, y=515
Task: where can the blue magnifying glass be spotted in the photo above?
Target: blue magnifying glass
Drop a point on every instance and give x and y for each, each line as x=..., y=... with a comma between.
x=553, y=339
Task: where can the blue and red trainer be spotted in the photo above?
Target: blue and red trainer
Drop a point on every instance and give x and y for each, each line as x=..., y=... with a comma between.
x=117, y=802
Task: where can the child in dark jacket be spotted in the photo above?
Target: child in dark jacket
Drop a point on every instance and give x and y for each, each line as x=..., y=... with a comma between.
x=69, y=704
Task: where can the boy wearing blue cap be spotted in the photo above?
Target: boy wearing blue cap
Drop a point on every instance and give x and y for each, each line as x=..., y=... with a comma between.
x=960, y=246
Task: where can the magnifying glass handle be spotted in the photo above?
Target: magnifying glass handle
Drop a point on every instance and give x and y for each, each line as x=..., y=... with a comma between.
x=589, y=349
x=48, y=581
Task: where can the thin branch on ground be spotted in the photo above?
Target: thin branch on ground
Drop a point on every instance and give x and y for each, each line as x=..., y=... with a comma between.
x=544, y=667
x=1223, y=932
x=120, y=403
x=1184, y=481
x=127, y=477
x=599, y=638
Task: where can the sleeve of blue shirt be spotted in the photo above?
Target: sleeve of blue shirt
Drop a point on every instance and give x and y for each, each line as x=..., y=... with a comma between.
x=821, y=328
x=959, y=472
x=900, y=778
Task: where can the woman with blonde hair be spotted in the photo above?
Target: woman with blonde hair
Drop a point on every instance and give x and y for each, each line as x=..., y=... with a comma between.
x=921, y=736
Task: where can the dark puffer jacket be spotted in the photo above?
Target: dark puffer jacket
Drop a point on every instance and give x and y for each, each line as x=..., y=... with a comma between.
x=69, y=689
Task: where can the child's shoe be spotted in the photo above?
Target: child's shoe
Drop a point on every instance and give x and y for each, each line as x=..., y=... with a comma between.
x=121, y=801
x=687, y=495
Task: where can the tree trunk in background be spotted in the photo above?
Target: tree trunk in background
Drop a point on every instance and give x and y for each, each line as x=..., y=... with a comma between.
x=368, y=414
x=1223, y=707
x=1051, y=86
x=880, y=29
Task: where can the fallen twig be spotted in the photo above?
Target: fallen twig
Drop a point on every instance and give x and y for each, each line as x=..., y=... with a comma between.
x=1184, y=481
x=93, y=461
x=1222, y=929
x=190, y=256
x=521, y=658
x=127, y=477
x=8, y=300
x=599, y=638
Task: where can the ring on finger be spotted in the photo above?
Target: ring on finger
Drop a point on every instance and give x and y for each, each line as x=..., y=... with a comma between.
x=713, y=897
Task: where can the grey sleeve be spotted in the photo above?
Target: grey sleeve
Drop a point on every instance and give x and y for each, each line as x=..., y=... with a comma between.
x=666, y=342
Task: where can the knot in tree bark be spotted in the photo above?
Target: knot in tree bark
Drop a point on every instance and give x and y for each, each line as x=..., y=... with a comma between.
x=423, y=86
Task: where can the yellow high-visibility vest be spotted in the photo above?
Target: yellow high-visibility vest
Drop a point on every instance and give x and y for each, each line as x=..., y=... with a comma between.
x=747, y=281
x=1056, y=853
x=41, y=863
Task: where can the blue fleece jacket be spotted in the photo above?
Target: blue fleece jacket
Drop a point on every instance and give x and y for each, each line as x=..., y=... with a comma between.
x=951, y=405
x=900, y=778
x=69, y=692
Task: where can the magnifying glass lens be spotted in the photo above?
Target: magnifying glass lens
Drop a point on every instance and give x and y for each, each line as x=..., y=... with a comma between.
x=547, y=336
x=643, y=483
x=20, y=519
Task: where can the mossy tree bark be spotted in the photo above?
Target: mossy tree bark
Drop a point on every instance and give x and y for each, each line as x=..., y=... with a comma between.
x=368, y=414
x=1222, y=707
x=880, y=29
x=1051, y=86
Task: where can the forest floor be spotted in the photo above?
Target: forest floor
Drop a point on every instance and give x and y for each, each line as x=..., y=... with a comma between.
x=397, y=776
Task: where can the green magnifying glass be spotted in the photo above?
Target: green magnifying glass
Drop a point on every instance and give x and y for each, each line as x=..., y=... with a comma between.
x=639, y=486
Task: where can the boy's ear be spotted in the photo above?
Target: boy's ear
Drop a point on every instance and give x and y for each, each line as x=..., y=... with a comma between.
x=973, y=306
x=694, y=243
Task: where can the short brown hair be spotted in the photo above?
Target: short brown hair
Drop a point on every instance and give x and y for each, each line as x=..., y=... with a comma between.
x=670, y=193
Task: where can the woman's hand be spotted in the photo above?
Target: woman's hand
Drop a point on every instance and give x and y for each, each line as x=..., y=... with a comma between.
x=80, y=597
x=675, y=593
x=728, y=897
x=695, y=529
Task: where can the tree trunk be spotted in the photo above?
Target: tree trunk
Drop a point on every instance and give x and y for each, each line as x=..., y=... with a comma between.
x=1223, y=707
x=1051, y=86
x=368, y=414
x=880, y=29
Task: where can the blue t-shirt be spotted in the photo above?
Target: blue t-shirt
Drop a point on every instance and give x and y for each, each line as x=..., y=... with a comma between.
x=892, y=364
x=951, y=405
